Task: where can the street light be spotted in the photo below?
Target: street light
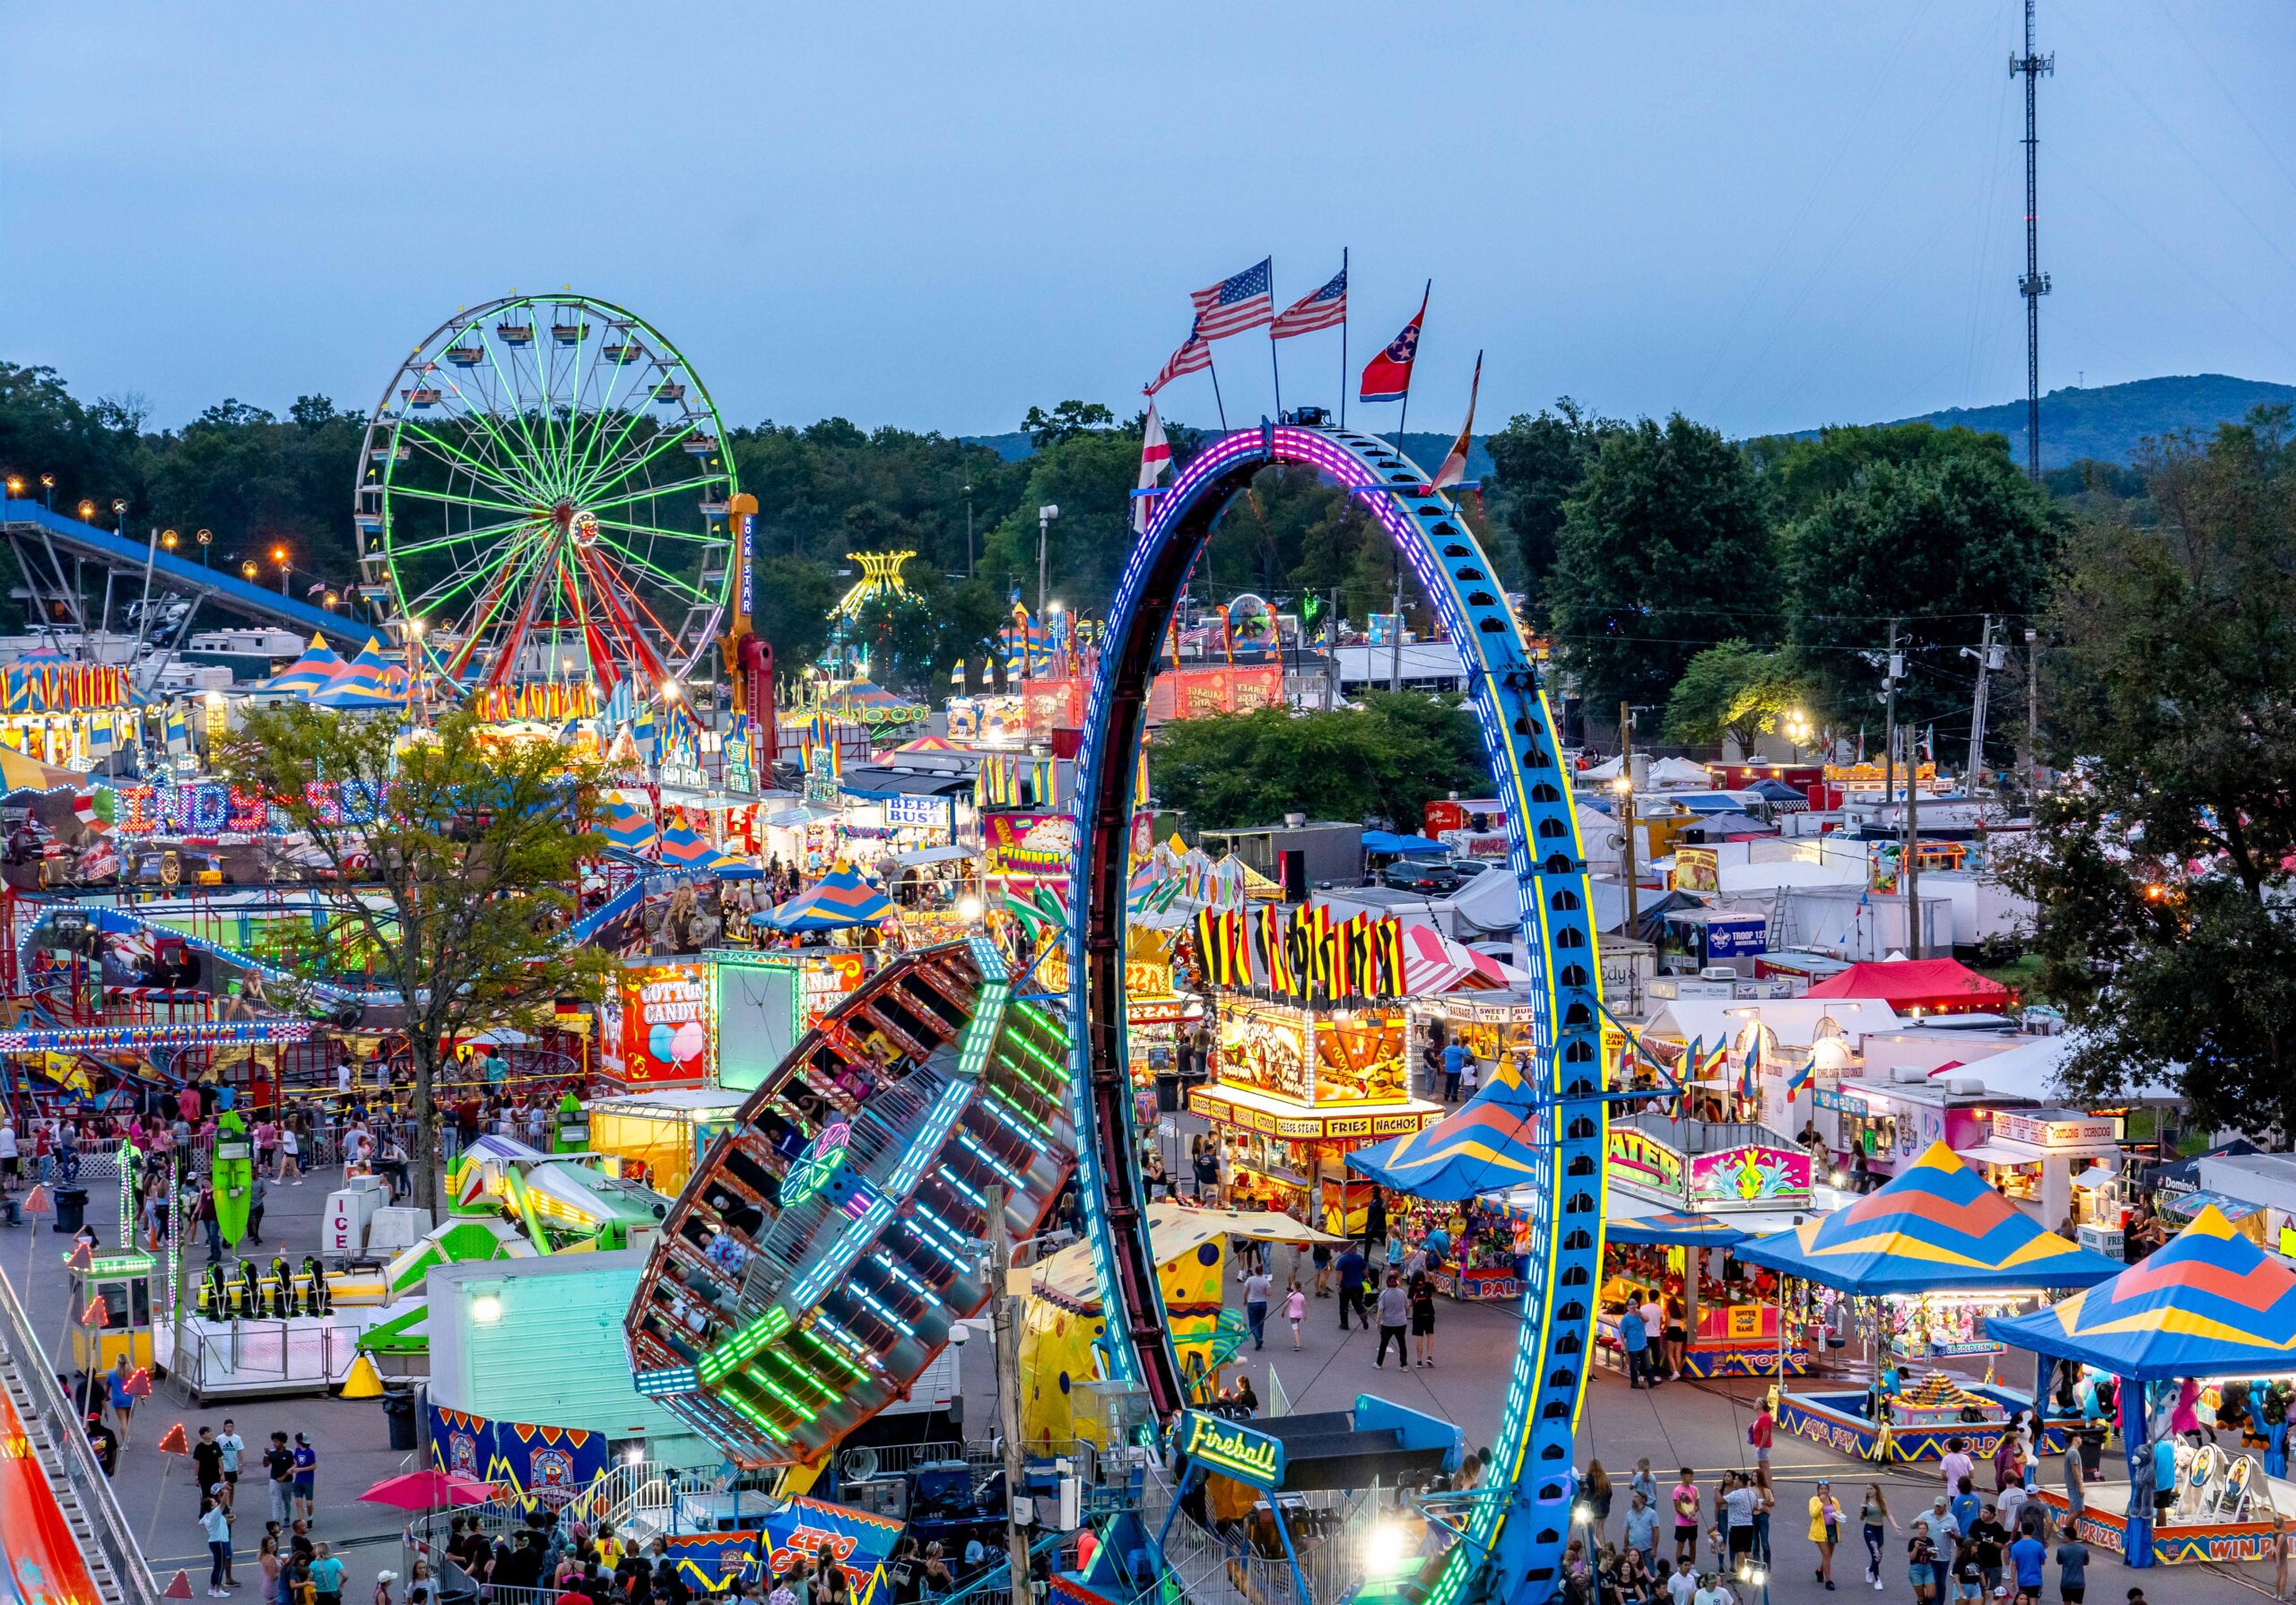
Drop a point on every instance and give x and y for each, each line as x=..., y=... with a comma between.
x=167, y=540
x=48, y=490
x=248, y=570
x=87, y=512
x=279, y=556
x=205, y=538
x=15, y=485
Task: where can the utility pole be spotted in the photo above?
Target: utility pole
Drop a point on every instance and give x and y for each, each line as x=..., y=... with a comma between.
x=1625, y=785
x=968, y=563
x=1892, y=670
x=2032, y=66
x=1004, y=1319
x=1910, y=869
x=1394, y=635
x=2032, y=715
x=1989, y=657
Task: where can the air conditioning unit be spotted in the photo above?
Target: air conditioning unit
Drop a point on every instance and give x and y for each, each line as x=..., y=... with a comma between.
x=1717, y=972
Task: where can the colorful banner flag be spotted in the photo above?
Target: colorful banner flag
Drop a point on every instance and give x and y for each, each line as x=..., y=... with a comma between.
x=1387, y=377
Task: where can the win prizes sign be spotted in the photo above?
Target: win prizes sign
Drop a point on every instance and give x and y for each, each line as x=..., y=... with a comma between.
x=1231, y=1449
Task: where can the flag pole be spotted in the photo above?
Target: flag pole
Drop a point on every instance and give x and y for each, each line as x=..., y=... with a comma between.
x=1214, y=368
x=1343, y=340
x=1273, y=367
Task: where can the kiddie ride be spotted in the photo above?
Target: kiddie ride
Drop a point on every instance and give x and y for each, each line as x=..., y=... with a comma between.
x=295, y=1326
x=831, y=1240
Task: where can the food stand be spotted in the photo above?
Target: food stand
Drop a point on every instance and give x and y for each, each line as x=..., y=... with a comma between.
x=1484, y=1240
x=1295, y=1086
x=2031, y=1155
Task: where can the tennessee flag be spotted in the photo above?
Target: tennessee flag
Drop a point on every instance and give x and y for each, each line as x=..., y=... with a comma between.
x=1387, y=377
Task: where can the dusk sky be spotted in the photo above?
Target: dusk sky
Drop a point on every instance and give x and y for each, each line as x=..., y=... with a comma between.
x=1767, y=215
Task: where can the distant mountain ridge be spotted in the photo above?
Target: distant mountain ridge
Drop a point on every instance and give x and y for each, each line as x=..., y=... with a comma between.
x=2110, y=422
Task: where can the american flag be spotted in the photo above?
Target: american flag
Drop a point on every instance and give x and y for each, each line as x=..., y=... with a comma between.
x=1233, y=304
x=1324, y=309
x=1193, y=357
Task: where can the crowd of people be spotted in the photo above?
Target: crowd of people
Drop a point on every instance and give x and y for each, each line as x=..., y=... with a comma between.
x=1714, y=1544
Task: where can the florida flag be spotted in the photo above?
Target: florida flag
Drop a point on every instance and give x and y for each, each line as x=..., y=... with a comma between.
x=1155, y=456
x=1387, y=376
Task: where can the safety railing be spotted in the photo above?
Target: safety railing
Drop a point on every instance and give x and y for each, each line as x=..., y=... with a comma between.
x=74, y=1459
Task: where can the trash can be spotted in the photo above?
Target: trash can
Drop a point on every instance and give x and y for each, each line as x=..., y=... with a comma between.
x=398, y=1410
x=1167, y=1093
x=71, y=1209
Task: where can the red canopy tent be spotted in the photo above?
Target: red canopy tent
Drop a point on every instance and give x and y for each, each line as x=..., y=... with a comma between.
x=1932, y=985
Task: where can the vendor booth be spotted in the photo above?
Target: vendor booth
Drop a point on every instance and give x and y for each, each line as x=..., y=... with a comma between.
x=1295, y=1086
x=2208, y=1303
x=659, y=1137
x=1729, y=1328
x=1936, y=1229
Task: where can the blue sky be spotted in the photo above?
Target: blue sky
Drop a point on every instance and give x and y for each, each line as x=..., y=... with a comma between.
x=1766, y=214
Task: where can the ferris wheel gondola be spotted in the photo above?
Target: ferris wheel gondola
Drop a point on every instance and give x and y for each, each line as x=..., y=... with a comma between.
x=541, y=509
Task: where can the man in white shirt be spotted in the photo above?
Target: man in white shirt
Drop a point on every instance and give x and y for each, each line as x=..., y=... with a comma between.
x=1654, y=1324
x=1680, y=1584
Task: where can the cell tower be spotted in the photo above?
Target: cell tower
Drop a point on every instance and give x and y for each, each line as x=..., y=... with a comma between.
x=2035, y=283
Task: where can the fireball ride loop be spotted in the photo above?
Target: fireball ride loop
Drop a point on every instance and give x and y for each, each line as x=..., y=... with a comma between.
x=1512, y=1537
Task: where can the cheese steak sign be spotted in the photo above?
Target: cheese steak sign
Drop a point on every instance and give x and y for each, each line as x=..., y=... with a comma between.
x=1233, y=1450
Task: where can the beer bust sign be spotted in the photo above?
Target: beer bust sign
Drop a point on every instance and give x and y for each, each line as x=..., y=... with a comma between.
x=1231, y=1449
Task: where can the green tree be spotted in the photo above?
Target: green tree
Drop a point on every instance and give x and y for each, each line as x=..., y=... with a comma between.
x=1938, y=543
x=1802, y=473
x=1536, y=464
x=1664, y=547
x=1733, y=690
x=789, y=607
x=1388, y=758
x=2162, y=867
x=458, y=893
x=1068, y=421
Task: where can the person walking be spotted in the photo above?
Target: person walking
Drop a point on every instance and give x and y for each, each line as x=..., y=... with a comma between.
x=1455, y=1065
x=290, y=1155
x=1825, y=1528
x=1421, y=1289
x=1598, y=1489
x=118, y=1396
x=1375, y=1223
x=1256, y=1289
x=1634, y=1338
x=1394, y=1321
x=1351, y=1288
x=1295, y=1310
x=231, y=1446
x=279, y=1469
x=2073, y=1568
x=307, y=1468
x=1871, y=1513
x=215, y=1523
x=256, y=1198
x=207, y=1464
x=327, y=1577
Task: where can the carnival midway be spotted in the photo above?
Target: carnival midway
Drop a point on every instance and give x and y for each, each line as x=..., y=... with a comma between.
x=887, y=1153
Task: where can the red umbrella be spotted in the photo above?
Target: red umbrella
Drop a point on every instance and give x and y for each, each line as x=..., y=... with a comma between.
x=427, y=1490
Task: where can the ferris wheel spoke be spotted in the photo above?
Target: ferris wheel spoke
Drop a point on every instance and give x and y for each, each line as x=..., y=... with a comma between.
x=467, y=537
x=657, y=493
x=618, y=473
x=578, y=451
x=660, y=574
x=483, y=416
x=493, y=474
x=538, y=460
x=422, y=494
x=654, y=364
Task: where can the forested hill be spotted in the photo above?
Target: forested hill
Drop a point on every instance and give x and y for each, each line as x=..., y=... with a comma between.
x=1425, y=449
x=2111, y=421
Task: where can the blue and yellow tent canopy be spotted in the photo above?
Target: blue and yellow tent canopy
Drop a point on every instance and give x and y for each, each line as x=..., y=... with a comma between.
x=1937, y=1226
x=1676, y=1227
x=839, y=900
x=1488, y=1144
x=2206, y=1303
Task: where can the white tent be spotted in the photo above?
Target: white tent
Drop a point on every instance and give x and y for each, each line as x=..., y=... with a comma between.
x=2030, y=1069
x=1678, y=771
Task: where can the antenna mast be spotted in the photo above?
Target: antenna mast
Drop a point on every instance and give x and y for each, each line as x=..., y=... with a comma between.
x=2034, y=285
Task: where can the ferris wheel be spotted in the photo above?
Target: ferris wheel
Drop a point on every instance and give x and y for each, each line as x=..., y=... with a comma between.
x=543, y=495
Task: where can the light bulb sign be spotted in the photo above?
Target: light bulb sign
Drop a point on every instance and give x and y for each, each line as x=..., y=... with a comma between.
x=1231, y=1449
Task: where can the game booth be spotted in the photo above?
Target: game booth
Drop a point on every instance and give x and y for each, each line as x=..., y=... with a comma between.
x=2207, y=1305
x=1937, y=1228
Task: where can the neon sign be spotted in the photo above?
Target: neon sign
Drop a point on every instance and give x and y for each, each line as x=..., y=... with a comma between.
x=1232, y=1450
x=823, y=1157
